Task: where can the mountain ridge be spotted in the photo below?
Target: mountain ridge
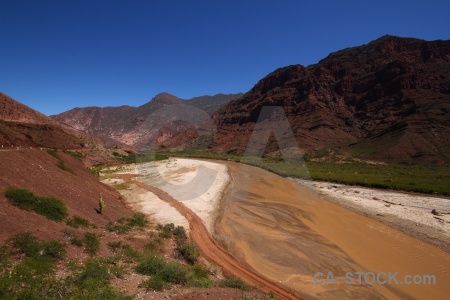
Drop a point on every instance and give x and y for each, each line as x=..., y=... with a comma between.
x=359, y=97
x=126, y=123
x=387, y=100
x=21, y=125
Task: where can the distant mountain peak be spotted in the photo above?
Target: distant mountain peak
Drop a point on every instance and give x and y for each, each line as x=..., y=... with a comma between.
x=125, y=123
x=166, y=98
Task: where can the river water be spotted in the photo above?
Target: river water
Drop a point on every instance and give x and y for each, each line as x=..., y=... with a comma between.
x=288, y=233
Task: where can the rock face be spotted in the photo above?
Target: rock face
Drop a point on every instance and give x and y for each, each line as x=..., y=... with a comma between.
x=165, y=120
x=388, y=100
x=23, y=126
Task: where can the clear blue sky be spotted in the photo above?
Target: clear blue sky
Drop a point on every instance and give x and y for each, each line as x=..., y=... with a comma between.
x=56, y=55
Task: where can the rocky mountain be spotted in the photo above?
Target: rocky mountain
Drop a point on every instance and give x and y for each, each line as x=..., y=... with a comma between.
x=166, y=120
x=23, y=126
x=388, y=100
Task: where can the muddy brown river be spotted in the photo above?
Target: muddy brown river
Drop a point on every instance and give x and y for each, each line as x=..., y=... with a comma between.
x=287, y=233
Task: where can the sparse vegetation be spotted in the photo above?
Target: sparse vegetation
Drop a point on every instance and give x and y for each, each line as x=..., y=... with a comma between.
x=155, y=283
x=52, y=208
x=91, y=281
x=74, y=154
x=91, y=243
x=168, y=272
x=411, y=177
x=60, y=163
x=33, y=276
x=76, y=241
x=93, y=171
x=63, y=166
x=131, y=157
x=124, y=251
x=26, y=276
x=234, y=283
x=166, y=230
x=77, y=222
x=153, y=246
x=124, y=225
x=52, y=152
x=120, y=186
x=26, y=243
x=188, y=252
x=138, y=220
x=408, y=177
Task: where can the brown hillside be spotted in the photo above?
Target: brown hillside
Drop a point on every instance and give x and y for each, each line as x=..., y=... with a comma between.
x=23, y=126
x=37, y=171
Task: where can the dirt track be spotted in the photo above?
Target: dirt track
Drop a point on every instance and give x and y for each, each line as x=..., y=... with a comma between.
x=211, y=250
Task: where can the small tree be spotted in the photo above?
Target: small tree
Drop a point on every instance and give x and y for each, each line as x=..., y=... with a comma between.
x=101, y=204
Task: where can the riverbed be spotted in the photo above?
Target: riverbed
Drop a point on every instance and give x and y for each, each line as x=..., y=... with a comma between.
x=288, y=232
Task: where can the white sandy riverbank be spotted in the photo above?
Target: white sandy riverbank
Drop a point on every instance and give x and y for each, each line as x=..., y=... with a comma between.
x=198, y=184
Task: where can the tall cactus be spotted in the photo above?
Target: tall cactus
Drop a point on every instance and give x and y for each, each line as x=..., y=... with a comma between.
x=101, y=204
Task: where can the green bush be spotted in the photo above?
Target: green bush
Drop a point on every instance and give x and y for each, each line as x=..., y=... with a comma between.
x=76, y=241
x=51, y=208
x=189, y=253
x=199, y=271
x=180, y=232
x=53, y=249
x=36, y=266
x=201, y=283
x=234, y=283
x=165, y=234
x=52, y=152
x=75, y=154
x=174, y=273
x=63, y=166
x=94, y=270
x=78, y=222
x=155, y=283
x=150, y=265
x=124, y=225
x=125, y=251
x=21, y=198
x=171, y=272
x=4, y=254
x=91, y=243
x=166, y=230
x=117, y=228
x=26, y=243
x=31, y=246
x=138, y=220
x=129, y=254
x=152, y=247
x=115, y=246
